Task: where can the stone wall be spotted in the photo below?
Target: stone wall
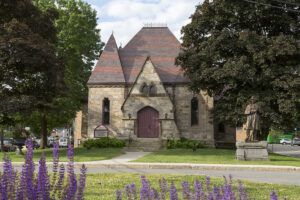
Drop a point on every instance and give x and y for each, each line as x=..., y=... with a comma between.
x=160, y=101
x=115, y=94
x=204, y=131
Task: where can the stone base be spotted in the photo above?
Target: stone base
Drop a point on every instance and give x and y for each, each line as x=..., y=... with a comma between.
x=252, y=151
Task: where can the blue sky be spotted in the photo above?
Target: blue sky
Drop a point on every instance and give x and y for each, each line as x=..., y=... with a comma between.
x=126, y=17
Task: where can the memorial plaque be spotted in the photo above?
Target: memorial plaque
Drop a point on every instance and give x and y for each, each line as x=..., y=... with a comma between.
x=100, y=131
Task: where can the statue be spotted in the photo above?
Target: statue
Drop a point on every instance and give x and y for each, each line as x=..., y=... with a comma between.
x=253, y=112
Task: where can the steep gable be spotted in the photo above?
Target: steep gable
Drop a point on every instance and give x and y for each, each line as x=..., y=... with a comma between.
x=161, y=45
x=108, y=69
x=148, y=76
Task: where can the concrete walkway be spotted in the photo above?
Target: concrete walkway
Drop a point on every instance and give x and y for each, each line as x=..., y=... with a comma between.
x=123, y=161
x=121, y=164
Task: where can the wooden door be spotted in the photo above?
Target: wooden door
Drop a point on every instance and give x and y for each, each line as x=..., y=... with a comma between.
x=148, y=123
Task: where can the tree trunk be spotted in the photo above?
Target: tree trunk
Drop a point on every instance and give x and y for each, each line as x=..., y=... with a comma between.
x=44, y=131
x=1, y=138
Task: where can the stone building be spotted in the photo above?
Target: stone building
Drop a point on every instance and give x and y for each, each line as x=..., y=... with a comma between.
x=139, y=94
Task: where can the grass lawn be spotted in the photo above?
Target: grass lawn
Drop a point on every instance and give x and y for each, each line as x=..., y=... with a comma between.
x=212, y=156
x=81, y=154
x=103, y=186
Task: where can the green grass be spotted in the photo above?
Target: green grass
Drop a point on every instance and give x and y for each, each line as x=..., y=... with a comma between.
x=212, y=156
x=103, y=186
x=81, y=154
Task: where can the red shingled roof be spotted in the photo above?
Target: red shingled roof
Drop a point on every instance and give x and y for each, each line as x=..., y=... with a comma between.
x=157, y=42
x=108, y=69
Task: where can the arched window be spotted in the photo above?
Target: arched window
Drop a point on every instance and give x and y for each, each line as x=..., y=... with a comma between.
x=144, y=89
x=105, y=113
x=152, y=89
x=194, y=111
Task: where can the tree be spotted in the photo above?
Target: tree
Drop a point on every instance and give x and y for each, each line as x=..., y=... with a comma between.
x=236, y=49
x=32, y=72
x=80, y=44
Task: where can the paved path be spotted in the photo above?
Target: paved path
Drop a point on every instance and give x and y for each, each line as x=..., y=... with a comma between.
x=260, y=173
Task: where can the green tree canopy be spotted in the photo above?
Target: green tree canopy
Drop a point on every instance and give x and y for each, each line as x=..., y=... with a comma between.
x=79, y=43
x=235, y=49
x=31, y=72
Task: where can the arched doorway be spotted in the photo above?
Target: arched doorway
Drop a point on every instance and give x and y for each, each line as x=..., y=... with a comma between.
x=148, y=123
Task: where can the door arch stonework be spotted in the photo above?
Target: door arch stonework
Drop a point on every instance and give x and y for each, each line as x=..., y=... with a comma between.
x=148, y=123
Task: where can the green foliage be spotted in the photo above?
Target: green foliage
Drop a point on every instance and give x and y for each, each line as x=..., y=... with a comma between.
x=184, y=144
x=79, y=42
x=235, y=49
x=31, y=71
x=103, y=143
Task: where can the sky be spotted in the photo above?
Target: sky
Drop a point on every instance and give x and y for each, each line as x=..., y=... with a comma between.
x=126, y=17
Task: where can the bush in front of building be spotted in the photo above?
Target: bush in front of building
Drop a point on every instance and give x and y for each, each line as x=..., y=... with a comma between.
x=184, y=144
x=104, y=143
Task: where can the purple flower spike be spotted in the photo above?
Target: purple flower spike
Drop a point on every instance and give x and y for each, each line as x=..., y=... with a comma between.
x=72, y=177
x=186, y=190
x=133, y=191
x=145, y=190
x=273, y=195
x=118, y=195
x=81, y=182
x=43, y=180
x=163, y=188
x=173, y=192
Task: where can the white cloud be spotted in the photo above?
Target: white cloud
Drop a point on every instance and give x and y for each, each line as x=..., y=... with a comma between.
x=126, y=17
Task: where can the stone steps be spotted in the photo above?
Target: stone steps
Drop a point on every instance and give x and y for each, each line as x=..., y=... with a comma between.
x=145, y=144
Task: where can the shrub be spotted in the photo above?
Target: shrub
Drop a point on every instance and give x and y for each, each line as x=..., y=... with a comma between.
x=199, y=191
x=103, y=143
x=184, y=143
x=29, y=185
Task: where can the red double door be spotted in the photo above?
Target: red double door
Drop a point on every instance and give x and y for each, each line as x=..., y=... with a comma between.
x=148, y=123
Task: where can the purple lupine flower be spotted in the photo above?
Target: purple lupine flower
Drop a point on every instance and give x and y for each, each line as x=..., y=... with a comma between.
x=43, y=180
x=118, y=195
x=72, y=177
x=155, y=195
x=186, y=192
x=81, y=182
x=128, y=192
x=60, y=182
x=145, y=190
x=207, y=181
x=26, y=187
x=55, y=151
x=273, y=195
x=173, y=192
x=7, y=178
x=210, y=196
x=242, y=191
x=133, y=191
x=216, y=193
x=163, y=188
x=197, y=187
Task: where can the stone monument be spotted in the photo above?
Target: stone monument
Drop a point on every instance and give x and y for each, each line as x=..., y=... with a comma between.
x=252, y=149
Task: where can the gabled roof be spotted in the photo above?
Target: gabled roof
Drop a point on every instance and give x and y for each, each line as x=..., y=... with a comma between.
x=137, y=79
x=161, y=45
x=108, y=69
x=121, y=66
